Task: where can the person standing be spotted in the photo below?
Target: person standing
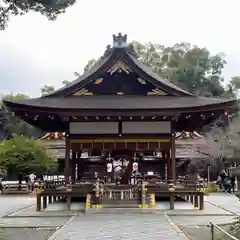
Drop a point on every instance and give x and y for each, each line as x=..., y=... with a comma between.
x=117, y=174
x=20, y=179
x=32, y=178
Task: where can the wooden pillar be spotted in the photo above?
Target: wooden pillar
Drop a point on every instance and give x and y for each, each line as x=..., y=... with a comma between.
x=73, y=166
x=196, y=201
x=44, y=202
x=201, y=201
x=169, y=168
x=80, y=165
x=39, y=203
x=171, y=202
x=164, y=159
x=173, y=157
x=67, y=156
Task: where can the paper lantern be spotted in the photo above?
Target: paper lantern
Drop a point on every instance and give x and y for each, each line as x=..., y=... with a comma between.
x=135, y=166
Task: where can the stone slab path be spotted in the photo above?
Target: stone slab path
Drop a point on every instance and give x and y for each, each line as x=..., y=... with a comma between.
x=226, y=201
x=162, y=224
x=10, y=204
x=126, y=226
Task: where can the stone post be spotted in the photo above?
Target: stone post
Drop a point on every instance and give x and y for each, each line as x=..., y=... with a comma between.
x=143, y=195
x=171, y=188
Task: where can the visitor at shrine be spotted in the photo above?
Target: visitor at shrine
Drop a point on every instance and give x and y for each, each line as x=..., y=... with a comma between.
x=20, y=178
x=219, y=182
x=133, y=179
x=117, y=174
x=227, y=184
x=233, y=184
x=32, y=178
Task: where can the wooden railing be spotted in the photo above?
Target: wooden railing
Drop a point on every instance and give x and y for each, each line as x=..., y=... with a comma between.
x=52, y=184
x=191, y=184
x=120, y=194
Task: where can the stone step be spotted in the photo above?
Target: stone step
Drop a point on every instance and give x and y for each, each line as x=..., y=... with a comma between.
x=120, y=202
x=124, y=205
x=119, y=211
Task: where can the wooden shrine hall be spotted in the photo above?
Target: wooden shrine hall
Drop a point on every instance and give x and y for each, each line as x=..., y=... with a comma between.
x=190, y=146
x=121, y=107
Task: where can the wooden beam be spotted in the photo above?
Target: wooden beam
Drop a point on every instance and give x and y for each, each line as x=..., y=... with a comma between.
x=120, y=140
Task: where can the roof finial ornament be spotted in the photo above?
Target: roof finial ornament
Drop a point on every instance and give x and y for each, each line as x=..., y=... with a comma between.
x=119, y=40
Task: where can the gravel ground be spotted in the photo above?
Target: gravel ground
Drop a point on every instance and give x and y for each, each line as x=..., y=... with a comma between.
x=25, y=233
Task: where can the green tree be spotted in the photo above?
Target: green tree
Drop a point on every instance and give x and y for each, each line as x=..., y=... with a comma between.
x=190, y=67
x=89, y=65
x=21, y=154
x=10, y=124
x=66, y=82
x=45, y=90
x=50, y=8
x=233, y=86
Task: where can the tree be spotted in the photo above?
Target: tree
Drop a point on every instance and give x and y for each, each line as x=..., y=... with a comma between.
x=10, y=124
x=45, y=90
x=189, y=67
x=233, y=86
x=21, y=154
x=223, y=143
x=66, y=82
x=50, y=8
x=89, y=65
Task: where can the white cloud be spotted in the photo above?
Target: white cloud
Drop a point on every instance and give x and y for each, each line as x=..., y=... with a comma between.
x=51, y=51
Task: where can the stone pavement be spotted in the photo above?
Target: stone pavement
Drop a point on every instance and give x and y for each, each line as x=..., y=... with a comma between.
x=124, y=226
x=226, y=201
x=162, y=224
x=10, y=204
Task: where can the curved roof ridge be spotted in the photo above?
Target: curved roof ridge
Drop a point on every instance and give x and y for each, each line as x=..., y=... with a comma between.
x=124, y=52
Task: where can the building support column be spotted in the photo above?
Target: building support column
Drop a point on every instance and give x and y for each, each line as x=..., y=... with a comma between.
x=173, y=157
x=78, y=165
x=169, y=167
x=67, y=157
x=73, y=165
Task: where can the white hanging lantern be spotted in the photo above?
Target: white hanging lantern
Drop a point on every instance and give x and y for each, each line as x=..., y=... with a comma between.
x=135, y=166
x=109, y=167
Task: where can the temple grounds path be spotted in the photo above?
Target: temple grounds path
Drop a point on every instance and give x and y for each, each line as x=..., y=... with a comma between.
x=55, y=224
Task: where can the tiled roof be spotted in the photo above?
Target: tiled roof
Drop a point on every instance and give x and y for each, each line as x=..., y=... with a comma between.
x=121, y=102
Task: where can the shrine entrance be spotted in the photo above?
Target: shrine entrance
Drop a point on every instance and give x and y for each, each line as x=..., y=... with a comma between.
x=121, y=161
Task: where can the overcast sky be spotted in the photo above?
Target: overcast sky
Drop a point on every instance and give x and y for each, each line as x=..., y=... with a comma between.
x=35, y=51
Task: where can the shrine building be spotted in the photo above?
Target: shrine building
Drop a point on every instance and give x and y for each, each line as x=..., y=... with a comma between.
x=120, y=107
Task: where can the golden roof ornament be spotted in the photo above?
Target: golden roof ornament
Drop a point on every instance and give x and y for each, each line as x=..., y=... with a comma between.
x=53, y=136
x=189, y=135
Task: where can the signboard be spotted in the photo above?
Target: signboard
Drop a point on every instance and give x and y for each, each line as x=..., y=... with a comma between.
x=146, y=127
x=93, y=128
